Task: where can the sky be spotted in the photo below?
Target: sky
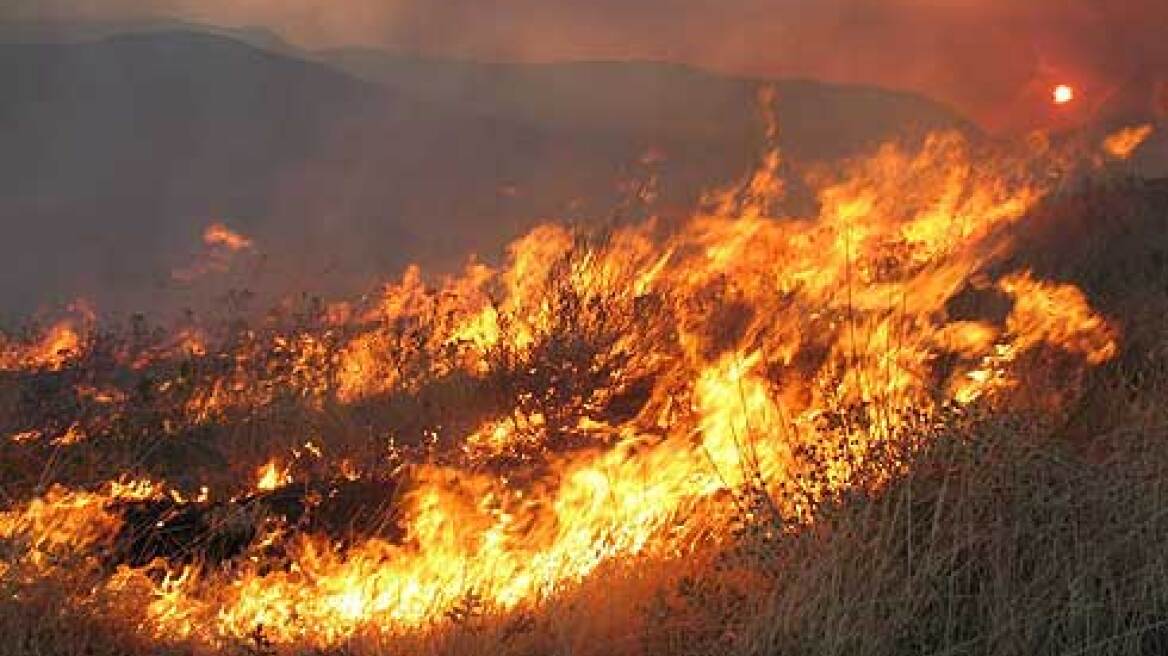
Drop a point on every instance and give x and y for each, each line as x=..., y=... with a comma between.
x=994, y=60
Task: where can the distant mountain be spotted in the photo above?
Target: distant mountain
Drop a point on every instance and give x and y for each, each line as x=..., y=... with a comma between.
x=656, y=100
x=77, y=31
x=113, y=153
x=342, y=166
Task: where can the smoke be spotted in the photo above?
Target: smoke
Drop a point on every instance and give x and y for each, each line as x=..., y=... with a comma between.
x=990, y=58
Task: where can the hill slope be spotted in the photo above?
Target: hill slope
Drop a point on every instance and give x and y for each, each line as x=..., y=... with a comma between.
x=116, y=153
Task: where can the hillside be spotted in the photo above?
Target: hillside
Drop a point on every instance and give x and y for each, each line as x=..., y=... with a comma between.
x=658, y=101
x=117, y=152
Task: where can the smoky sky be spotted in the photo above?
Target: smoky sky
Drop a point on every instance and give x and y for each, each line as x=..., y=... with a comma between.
x=993, y=59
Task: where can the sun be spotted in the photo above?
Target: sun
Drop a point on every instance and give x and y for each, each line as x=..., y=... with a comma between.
x=1063, y=94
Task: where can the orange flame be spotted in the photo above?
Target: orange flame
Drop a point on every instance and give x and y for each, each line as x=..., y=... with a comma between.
x=64, y=341
x=218, y=234
x=270, y=477
x=1122, y=144
x=222, y=244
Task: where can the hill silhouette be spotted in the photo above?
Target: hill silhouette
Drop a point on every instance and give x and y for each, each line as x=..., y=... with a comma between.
x=345, y=165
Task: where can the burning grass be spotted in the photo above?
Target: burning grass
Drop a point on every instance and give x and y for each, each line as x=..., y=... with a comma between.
x=873, y=430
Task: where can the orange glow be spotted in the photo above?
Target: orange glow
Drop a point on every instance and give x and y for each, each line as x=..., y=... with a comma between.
x=218, y=234
x=1122, y=144
x=222, y=245
x=52, y=348
x=270, y=477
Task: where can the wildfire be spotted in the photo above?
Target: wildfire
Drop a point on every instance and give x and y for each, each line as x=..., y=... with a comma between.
x=218, y=234
x=222, y=246
x=270, y=477
x=1125, y=142
x=604, y=400
x=55, y=347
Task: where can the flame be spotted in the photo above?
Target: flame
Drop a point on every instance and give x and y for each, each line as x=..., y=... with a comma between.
x=218, y=234
x=270, y=477
x=61, y=343
x=54, y=348
x=66, y=520
x=1122, y=144
x=1046, y=313
x=605, y=399
x=222, y=246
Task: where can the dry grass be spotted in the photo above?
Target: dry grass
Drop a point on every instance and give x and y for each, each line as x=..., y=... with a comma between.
x=1000, y=541
x=1003, y=533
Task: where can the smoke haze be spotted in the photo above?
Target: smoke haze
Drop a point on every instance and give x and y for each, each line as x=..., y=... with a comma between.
x=992, y=59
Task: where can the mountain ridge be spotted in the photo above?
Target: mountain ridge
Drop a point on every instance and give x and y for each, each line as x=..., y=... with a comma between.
x=132, y=143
